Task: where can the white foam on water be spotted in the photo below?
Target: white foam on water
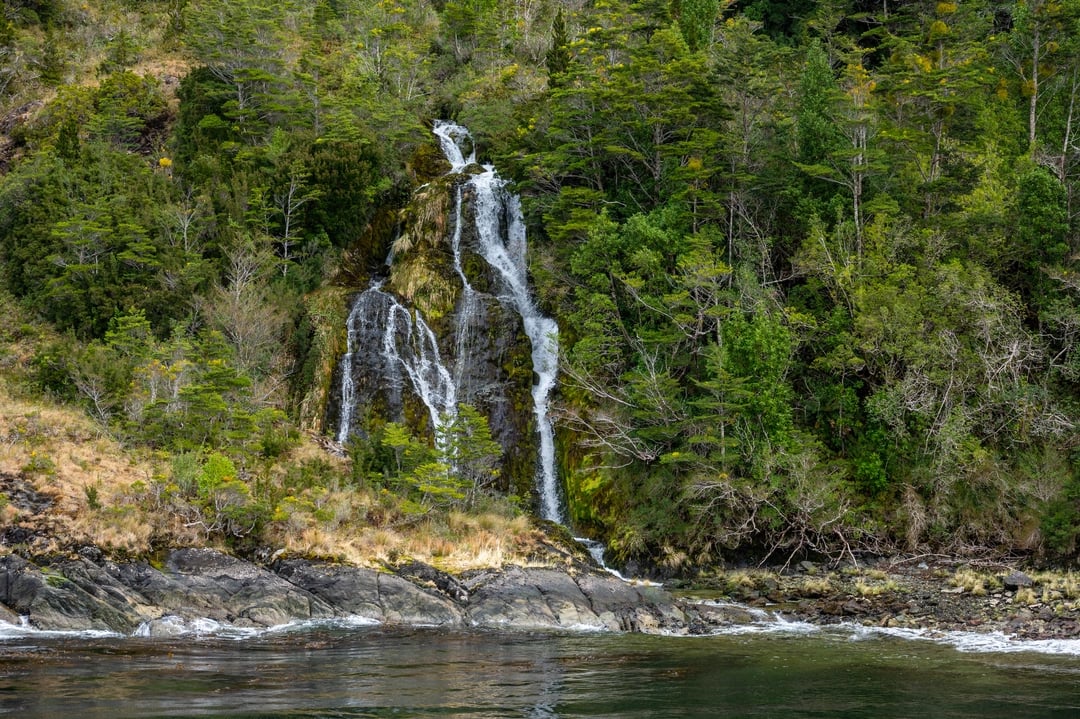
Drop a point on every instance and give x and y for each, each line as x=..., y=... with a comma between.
x=766, y=622
x=969, y=642
x=173, y=626
x=583, y=628
x=23, y=630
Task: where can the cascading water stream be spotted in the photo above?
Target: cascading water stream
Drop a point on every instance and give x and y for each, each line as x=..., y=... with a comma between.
x=348, y=385
x=504, y=251
x=451, y=138
x=430, y=378
x=407, y=346
x=391, y=348
x=467, y=311
x=506, y=254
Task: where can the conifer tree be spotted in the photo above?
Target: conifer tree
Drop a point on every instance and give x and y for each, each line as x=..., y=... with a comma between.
x=558, y=57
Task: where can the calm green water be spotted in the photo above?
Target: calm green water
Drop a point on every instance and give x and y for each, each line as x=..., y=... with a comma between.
x=373, y=672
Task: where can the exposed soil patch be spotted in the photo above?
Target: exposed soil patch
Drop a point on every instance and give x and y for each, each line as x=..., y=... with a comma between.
x=22, y=495
x=24, y=511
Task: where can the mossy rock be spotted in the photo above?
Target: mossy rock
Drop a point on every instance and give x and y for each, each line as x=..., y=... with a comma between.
x=426, y=164
x=326, y=311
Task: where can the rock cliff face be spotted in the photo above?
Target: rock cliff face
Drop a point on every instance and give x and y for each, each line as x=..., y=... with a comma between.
x=439, y=329
x=90, y=593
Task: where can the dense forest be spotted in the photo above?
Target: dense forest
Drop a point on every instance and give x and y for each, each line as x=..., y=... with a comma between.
x=814, y=263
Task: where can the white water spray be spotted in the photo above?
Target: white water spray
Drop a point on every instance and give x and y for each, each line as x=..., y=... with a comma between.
x=452, y=138
x=500, y=230
x=414, y=346
x=408, y=348
x=348, y=386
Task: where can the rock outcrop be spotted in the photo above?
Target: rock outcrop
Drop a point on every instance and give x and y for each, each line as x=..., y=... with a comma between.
x=192, y=585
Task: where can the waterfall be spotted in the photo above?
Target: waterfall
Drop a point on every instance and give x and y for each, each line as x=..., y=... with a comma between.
x=348, y=384
x=452, y=138
x=468, y=309
x=414, y=346
x=408, y=350
x=500, y=230
x=505, y=252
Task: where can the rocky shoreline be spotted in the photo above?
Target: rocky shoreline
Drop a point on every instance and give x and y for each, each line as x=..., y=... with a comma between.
x=941, y=595
x=91, y=592
x=189, y=586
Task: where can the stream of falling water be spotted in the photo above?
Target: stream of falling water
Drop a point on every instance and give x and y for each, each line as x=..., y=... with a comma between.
x=500, y=231
x=407, y=345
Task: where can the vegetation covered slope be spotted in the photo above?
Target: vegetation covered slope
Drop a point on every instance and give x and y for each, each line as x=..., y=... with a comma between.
x=814, y=263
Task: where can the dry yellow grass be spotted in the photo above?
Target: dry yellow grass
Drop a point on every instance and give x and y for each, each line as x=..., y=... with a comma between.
x=1067, y=584
x=874, y=588
x=455, y=542
x=92, y=480
x=816, y=586
x=61, y=453
x=973, y=582
x=745, y=578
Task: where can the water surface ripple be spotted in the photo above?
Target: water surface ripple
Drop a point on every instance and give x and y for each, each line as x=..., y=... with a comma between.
x=380, y=672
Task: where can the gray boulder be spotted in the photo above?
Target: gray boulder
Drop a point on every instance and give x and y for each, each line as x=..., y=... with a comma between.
x=193, y=585
x=1017, y=580
x=73, y=596
x=211, y=584
x=530, y=598
x=369, y=594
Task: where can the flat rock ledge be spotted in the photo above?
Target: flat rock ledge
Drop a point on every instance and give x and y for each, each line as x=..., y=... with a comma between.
x=93, y=593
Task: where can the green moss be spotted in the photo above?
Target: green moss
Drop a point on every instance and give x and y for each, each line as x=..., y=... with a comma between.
x=423, y=269
x=55, y=579
x=427, y=164
x=326, y=312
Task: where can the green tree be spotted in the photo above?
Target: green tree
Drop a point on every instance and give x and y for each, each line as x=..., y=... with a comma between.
x=1039, y=239
x=558, y=58
x=242, y=44
x=465, y=446
x=696, y=19
x=1041, y=31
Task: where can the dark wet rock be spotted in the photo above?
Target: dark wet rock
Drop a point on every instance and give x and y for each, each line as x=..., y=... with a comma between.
x=6, y=615
x=536, y=598
x=427, y=575
x=236, y=591
x=195, y=584
x=88, y=591
x=58, y=598
x=80, y=594
x=370, y=594
x=22, y=495
x=16, y=535
x=533, y=599
x=720, y=615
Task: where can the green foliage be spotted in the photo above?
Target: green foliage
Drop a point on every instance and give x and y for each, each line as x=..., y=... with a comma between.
x=782, y=19
x=93, y=500
x=558, y=57
x=122, y=53
x=127, y=108
x=39, y=464
x=469, y=452
x=1039, y=240
x=185, y=471
x=814, y=265
x=696, y=19
x=217, y=471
